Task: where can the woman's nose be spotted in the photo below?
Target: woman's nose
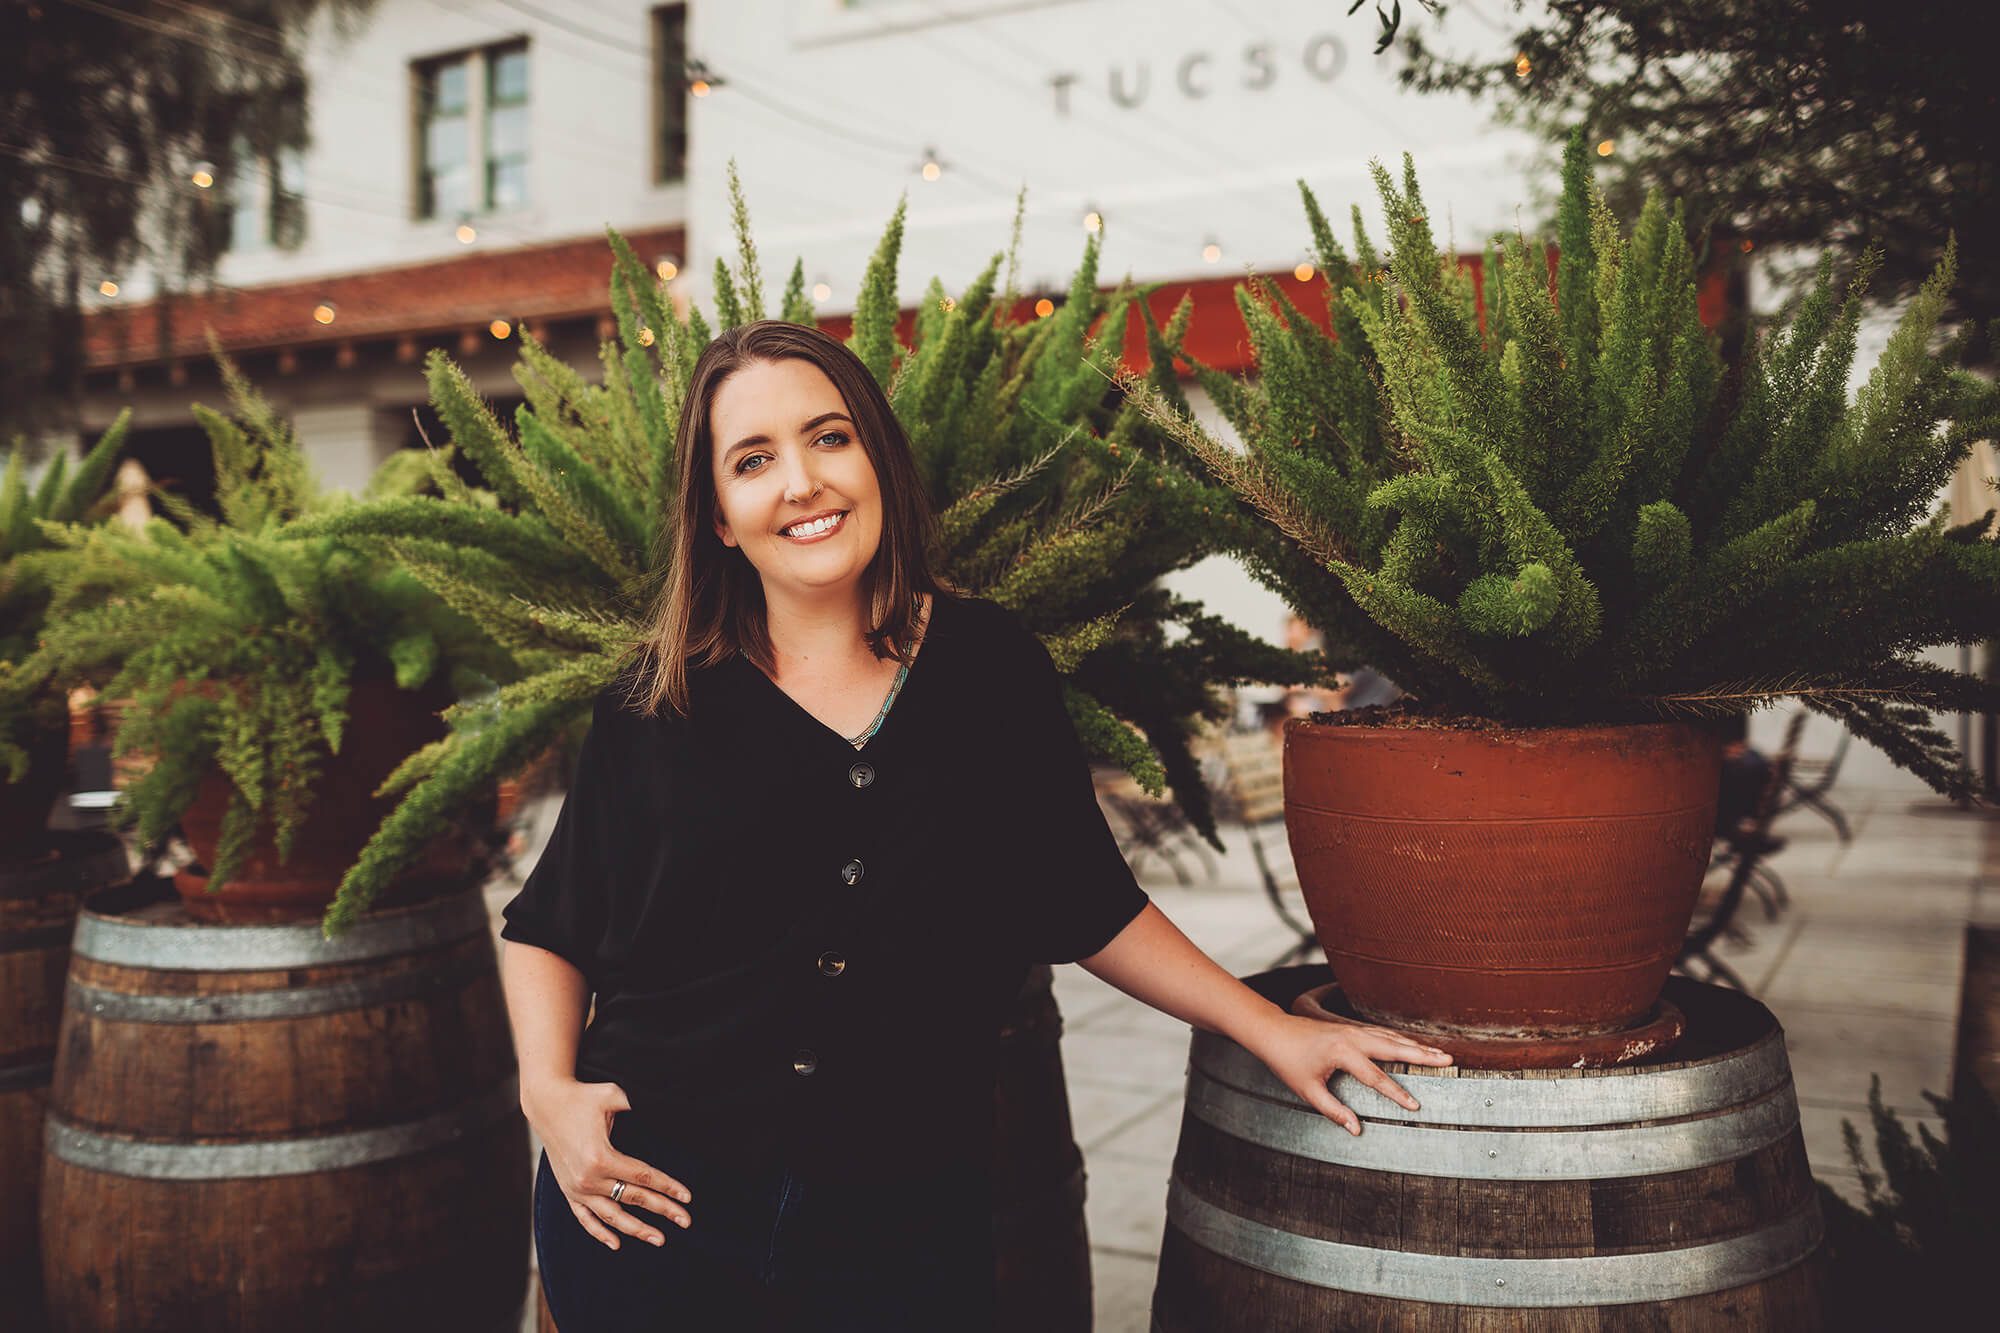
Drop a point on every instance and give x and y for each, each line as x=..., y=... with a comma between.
x=799, y=481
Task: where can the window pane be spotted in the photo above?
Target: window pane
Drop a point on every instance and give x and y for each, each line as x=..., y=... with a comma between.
x=288, y=210
x=671, y=147
x=446, y=86
x=507, y=132
x=507, y=184
x=444, y=180
x=509, y=76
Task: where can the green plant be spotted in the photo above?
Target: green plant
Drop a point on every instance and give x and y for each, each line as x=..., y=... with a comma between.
x=1561, y=508
x=1918, y=1248
x=28, y=701
x=1055, y=499
x=236, y=641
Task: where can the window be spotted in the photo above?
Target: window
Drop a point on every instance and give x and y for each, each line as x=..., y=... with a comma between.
x=670, y=97
x=265, y=198
x=472, y=132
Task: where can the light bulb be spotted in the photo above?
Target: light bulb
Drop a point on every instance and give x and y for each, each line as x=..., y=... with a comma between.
x=646, y=338
x=108, y=287
x=699, y=88
x=1604, y=147
x=500, y=328
x=467, y=234
x=1044, y=308
x=667, y=269
x=821, y=291
x=1521, y=66
x=932, y=171
x=1304, y=273
x=324, y=312
x=203, y=175
x=1211, y=252
x=1093, y=221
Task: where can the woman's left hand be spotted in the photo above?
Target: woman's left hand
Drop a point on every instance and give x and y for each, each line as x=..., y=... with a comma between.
x=1306, y=1052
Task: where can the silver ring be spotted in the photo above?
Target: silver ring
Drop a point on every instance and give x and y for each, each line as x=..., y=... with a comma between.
x=617, y=1191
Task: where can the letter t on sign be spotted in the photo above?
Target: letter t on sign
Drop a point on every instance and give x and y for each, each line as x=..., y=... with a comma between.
x=1061, y=83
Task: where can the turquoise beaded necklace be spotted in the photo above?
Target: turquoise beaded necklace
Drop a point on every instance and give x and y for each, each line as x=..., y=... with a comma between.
x=857, y=742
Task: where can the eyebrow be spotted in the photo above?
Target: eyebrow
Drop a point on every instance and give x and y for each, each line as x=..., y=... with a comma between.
x=820, y=420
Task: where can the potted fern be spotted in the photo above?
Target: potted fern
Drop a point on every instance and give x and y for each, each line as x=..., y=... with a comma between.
x=1572, y=536
x=1056, y=499
x=34, y=713
x=276, y=680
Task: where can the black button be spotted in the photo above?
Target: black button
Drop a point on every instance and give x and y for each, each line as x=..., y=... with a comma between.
x=850, y=874
x=861, y=775
x=832, y=964
x=804, y=1062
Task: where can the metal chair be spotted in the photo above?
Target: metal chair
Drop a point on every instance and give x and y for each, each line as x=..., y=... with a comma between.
x=1812, y=779
x=1254, y=792
x=1147, y=826
x=1743, y=851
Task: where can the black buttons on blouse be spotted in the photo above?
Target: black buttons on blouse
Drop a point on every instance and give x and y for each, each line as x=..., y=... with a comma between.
x=804, y=1062
x=850, y=874
x=832, y=964
x=861, y=775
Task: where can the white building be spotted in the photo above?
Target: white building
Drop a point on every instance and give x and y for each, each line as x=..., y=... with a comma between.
x=468, y=154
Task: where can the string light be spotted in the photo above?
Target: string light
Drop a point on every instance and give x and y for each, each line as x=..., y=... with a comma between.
x=667, y=268
x=1521, y=66
x=1211, y=252
x=1604, y=147
x=947, y=305
x=699, y=88
x=1093, y=222
x=932, y=168
x=203, y=175
x=645, y=336
x=466, y=233
x=500, y=328
x=821, y=291
x=107, y=288
x=1044, y=308
x=1304, y=272
x=324, y=313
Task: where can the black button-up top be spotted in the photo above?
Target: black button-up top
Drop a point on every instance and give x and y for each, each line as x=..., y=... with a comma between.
x=800, y=945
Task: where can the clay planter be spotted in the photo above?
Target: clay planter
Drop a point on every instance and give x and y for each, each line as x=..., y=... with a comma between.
x=25, y=805
x=384, y=726
x=1501, y=884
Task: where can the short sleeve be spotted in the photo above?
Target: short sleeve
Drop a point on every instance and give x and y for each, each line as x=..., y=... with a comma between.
x=563, y=904
x=1078, y=891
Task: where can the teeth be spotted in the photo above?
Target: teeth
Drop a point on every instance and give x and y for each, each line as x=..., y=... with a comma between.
x=814, y=528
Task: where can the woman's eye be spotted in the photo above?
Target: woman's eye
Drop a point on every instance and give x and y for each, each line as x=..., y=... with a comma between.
x=837, y=437
x=743, y=464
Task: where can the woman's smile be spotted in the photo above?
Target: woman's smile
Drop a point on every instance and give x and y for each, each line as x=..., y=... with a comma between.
x=817, y=528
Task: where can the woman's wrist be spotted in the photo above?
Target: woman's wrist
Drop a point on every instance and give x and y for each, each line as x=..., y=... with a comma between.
x=538, y=1087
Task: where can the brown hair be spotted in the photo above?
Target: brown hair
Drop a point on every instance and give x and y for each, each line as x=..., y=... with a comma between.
x=710, y=605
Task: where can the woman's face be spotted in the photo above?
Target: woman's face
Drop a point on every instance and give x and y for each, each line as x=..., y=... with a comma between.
x=786, y=453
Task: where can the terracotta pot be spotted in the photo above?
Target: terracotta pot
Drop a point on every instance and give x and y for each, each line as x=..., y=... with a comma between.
x=25, y=805
x=384, y=726
x=1501, y=883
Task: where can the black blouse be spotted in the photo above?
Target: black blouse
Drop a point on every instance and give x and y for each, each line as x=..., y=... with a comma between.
x=800, y=945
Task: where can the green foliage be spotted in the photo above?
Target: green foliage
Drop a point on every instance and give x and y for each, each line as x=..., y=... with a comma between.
x=1056, y=498
x=1556, y=512
x=1917, y=1250
x=30, y=701
x=236, y=640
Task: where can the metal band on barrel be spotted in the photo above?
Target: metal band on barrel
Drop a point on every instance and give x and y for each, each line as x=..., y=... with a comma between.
x=178, y=948
x=1482, y=1154
x=151, y=1159
x=15, y=1077
x=1440, y=1279
x=298, y=1002
x=1594, y=1098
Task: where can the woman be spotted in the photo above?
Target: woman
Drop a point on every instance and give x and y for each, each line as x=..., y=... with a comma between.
x=821, y=826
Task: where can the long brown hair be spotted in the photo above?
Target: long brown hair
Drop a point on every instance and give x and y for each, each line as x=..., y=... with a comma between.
x=710, y=605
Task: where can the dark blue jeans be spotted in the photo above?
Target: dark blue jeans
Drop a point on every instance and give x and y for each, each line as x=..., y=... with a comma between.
x=771, y=1250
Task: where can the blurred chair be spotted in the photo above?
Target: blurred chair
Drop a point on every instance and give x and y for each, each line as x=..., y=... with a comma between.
x=1812, y=779
x=1743, y=850
x=1253, y=794
x=1148, y=826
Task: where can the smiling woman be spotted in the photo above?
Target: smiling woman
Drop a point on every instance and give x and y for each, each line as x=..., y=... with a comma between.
x=803, y=868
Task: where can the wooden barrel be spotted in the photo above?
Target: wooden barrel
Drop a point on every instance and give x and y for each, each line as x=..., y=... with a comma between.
x=1667, y=1195
x=39, y=900
x=1041, y=1249
x=253, y=1127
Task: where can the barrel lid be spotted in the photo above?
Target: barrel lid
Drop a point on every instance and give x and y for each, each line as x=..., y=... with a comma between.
x=116, y=933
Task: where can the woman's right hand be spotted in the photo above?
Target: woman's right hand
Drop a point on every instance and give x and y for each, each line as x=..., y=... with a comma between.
x=574, y=1122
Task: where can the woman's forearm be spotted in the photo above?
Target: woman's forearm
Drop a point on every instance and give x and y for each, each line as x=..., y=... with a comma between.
x=546, y=995
x=1152, y=961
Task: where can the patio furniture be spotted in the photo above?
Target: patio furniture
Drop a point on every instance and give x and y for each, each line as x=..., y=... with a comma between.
x=1810, y=782
x=1253, y=789
x=1147, y=826
x=1744, y=852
